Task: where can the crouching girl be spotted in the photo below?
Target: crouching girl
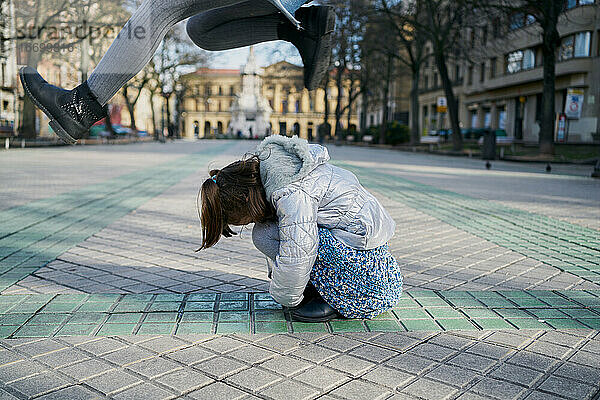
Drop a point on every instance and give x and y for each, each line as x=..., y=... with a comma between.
x=325, y=237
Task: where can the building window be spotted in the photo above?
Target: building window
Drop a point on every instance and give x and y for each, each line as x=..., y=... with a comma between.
x=520, y=60
x=484, y=35
x=220, y=91
x=575, y=3
x=577, y=45
x=528, y=59
x=516, y=21
x=519, y=20
x=482, y=72
x=297, y=107
x=231, y=90
x=284, y=106
x=426, y=82
x=493, y=63
x=457, y=73
x=470, y=75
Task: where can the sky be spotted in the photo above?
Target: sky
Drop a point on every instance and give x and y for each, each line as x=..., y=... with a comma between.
x=266, y=54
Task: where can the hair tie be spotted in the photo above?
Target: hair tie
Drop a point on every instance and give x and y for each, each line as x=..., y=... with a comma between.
x=214, y=178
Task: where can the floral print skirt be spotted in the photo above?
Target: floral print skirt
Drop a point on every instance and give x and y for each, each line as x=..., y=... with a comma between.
x=357, y=283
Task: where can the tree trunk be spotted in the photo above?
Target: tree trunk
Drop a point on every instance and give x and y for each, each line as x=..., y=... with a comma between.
x=364, y=106
x=386, y=95
x=130, y=108
x=154, y=128
x=415, y=134
x=457, y=143
x=551, y=39
x=339, y=82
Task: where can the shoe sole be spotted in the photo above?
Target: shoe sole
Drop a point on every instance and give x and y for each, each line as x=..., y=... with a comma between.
x=323, y=53
x=305, y=319
x=56, y=127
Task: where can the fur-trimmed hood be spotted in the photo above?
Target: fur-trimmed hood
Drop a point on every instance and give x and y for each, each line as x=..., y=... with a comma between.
x=284, y=160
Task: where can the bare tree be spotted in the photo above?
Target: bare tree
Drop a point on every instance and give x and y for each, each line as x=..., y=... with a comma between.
x=351, y=17
x=546, y=14
x=407, y=23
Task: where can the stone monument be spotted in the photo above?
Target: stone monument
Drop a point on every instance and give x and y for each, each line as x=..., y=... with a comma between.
x=250, y=111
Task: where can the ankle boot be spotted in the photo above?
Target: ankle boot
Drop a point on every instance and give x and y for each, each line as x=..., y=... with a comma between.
x=313, y=40
x=316, y=310
x=72, y=112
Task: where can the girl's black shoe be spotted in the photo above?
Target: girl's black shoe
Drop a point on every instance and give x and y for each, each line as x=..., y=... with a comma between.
x=316, y=310
x=313, y=40
x=72, y=112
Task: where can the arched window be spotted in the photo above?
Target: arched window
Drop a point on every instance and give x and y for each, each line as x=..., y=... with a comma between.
x=219, y=127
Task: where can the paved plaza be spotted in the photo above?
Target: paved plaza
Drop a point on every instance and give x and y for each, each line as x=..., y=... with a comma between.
x=102, y=295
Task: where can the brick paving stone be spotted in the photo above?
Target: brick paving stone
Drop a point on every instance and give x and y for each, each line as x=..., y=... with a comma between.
x=314, y=353
x=429, y=389
x=339, y=343
x=222, y=344
x=190, y=355
x=373, y=353
x=62, y=358
x=356, y=389
x=322, y=378
x=280, y=343
x=532, y=360
x=388, y=377
x=289, y=389
x=144, y=391
x=19, y=370
x=220, y=367
x=252, y=354
x=284, y=365
x=112, y=381
x=565, y=387
x=39, y=384
x=410, y=363
x=453, y=375
x=128, y=355
x=351, y=365
x=218, y=391
x=184, y=380
x=163, y=344
x=86, y=369
x=70, y=393
x=154, y=367
x=473, y=362
x=497, y=389
x=102, y=346
x=521, y=375
x=253, y=379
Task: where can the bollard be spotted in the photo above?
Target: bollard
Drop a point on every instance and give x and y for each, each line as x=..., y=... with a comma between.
x=22, y=143
x=489, y=145
x=7, y=143
x=596, y=173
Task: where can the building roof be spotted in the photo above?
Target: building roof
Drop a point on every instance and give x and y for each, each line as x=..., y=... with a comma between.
x=217, y=71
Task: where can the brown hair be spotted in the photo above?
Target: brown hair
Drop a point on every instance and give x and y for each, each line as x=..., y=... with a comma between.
x=238, y=191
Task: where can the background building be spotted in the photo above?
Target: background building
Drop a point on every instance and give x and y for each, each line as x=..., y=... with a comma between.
x=501, y=86
x=295, y=110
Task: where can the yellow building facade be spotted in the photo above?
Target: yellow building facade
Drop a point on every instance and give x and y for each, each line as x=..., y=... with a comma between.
x=296, y=111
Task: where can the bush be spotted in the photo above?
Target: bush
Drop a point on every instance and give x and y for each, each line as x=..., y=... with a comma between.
x=395, y=134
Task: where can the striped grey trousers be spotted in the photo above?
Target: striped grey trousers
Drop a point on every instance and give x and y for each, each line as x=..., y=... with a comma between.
x=216, y=25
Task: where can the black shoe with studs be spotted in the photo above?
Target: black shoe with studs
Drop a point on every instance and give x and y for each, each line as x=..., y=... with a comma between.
x=313, y=40
x=71, y=112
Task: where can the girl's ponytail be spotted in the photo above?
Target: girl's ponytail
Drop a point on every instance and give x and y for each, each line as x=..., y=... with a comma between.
x=212, y=212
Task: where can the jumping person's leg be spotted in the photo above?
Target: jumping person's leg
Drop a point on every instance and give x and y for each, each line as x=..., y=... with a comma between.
x=254, y=22
x=73, y=112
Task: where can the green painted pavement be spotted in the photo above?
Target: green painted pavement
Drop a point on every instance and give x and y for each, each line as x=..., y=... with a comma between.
x=568, y=247
x=34, y=234
x=207, y=313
